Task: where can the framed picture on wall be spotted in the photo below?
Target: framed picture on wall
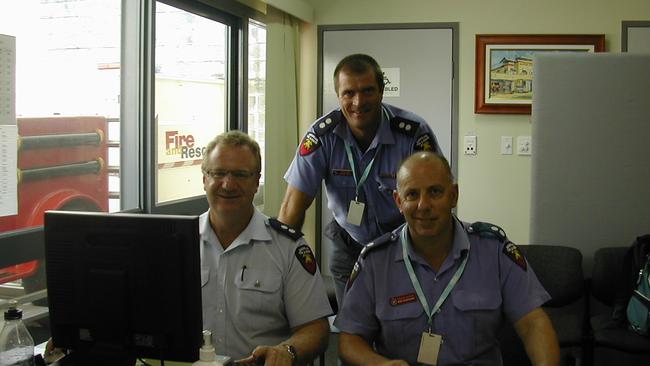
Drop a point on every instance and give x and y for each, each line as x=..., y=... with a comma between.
x=504, y=67
x=635, y=36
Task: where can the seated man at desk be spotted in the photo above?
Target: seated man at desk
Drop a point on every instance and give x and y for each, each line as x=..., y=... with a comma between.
x=436, y=290
x=263, y=296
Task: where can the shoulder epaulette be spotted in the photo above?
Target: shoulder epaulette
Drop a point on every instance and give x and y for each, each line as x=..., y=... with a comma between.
x=327, y=122
x=403, y=125
x=284, y=229
x=511, y=250
x=485, y=229
x=379, y=242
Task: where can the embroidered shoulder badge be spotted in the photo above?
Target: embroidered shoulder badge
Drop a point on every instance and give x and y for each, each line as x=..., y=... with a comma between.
x=309, y=144
x=404, y=126
x=487, y=230
x=423, y=143
x=285, y=229
x=306, y=258
x=513, y=252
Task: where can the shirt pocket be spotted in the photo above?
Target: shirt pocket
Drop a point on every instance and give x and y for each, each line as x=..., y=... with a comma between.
x=343, y=181
x=259, y=296
x=386, y=185
x=401, y=323
x=209, y=290
x=477, y=321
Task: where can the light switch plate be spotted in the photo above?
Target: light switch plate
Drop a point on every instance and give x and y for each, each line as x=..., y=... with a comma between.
x=524, y=145
x=506, y=145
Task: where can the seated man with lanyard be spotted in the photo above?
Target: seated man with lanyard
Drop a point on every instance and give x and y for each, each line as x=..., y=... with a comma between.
x=435, y=290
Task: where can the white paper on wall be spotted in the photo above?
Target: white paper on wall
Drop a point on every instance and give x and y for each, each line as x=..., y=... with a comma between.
x=8, y=166
x=7, y=80
x=391, y=81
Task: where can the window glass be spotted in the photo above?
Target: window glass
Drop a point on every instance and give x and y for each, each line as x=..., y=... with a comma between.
x=65, y=88
x=190, y=97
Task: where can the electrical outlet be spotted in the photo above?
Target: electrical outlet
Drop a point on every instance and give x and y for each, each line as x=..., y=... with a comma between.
x=470, y=145
x=524, y=145
x=506, y=145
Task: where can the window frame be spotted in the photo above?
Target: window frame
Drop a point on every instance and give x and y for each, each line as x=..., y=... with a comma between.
x=137, y=137
x=236, y=102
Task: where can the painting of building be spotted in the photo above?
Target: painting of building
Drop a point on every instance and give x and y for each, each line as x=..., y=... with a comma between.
x=511, y=76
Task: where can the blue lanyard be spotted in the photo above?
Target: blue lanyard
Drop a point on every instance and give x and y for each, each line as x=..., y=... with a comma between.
x=416, y=283
x=360, y=182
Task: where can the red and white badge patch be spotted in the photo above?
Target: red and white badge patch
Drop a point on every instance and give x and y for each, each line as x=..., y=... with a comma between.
x=513, y=252
x=402, y=299
x=309, y=144
x=306, y=258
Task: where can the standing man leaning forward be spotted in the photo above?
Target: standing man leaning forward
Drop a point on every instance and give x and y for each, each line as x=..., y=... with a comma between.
x=356, y=149
x=263, y=296
x=399, y=312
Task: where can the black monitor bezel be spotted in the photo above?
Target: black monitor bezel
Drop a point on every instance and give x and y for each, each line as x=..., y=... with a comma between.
x=150, y=262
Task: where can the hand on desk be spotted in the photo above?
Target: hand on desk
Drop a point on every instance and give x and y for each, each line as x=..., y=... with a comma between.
x=267, y=356
x=52, y=354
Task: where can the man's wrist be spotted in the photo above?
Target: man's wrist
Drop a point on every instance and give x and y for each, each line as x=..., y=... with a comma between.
x=291, y=350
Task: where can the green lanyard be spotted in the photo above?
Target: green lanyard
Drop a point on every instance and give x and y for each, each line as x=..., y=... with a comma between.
x=360, y=182
x=416, y=282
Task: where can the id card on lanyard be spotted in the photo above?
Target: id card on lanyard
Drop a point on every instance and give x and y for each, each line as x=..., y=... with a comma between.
x=429, y=342
x=356, y=208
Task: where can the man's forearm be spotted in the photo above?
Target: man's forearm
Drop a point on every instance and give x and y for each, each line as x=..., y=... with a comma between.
x=536, y=332
x=354, y=350
x=309, y=339
x=294, y=205
x=292, y=217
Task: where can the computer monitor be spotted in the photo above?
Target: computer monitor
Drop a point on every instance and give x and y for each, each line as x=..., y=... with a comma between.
x=124, y=286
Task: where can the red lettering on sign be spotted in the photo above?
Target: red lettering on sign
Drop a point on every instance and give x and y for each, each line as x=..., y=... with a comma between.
x=174, y=140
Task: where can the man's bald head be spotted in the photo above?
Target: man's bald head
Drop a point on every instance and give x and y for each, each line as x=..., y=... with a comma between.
x=419, y=160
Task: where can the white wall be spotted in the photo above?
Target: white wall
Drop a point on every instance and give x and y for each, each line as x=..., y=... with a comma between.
x=493, y=187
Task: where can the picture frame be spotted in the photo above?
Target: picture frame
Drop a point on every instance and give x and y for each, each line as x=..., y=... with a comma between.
x=504, y=67
x=635, y=36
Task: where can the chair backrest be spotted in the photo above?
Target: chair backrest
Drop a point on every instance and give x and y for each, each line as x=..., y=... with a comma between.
x=559, y=269
x=607, y=273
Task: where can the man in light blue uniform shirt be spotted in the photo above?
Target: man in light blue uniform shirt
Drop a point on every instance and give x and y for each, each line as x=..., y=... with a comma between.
x=356, y=149
x=445, y=303
x=263, y=297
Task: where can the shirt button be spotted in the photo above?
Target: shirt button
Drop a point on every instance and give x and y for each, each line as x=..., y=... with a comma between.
x=435, y=279
x=220, y=310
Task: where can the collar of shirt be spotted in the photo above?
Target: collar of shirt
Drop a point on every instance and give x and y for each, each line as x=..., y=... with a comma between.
x=384, y=134
x=460, y=244
x=254, y=231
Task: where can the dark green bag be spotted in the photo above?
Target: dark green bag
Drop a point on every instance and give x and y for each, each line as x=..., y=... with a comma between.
x=638, y=309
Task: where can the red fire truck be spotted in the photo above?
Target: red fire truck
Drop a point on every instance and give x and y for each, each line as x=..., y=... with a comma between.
x=61, y=166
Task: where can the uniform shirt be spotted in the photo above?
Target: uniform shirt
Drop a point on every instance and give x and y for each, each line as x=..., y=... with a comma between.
x=322, y=155
x=381, y=304
x=257, y=289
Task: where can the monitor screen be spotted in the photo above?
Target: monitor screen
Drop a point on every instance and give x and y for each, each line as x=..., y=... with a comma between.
x=124, y=285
